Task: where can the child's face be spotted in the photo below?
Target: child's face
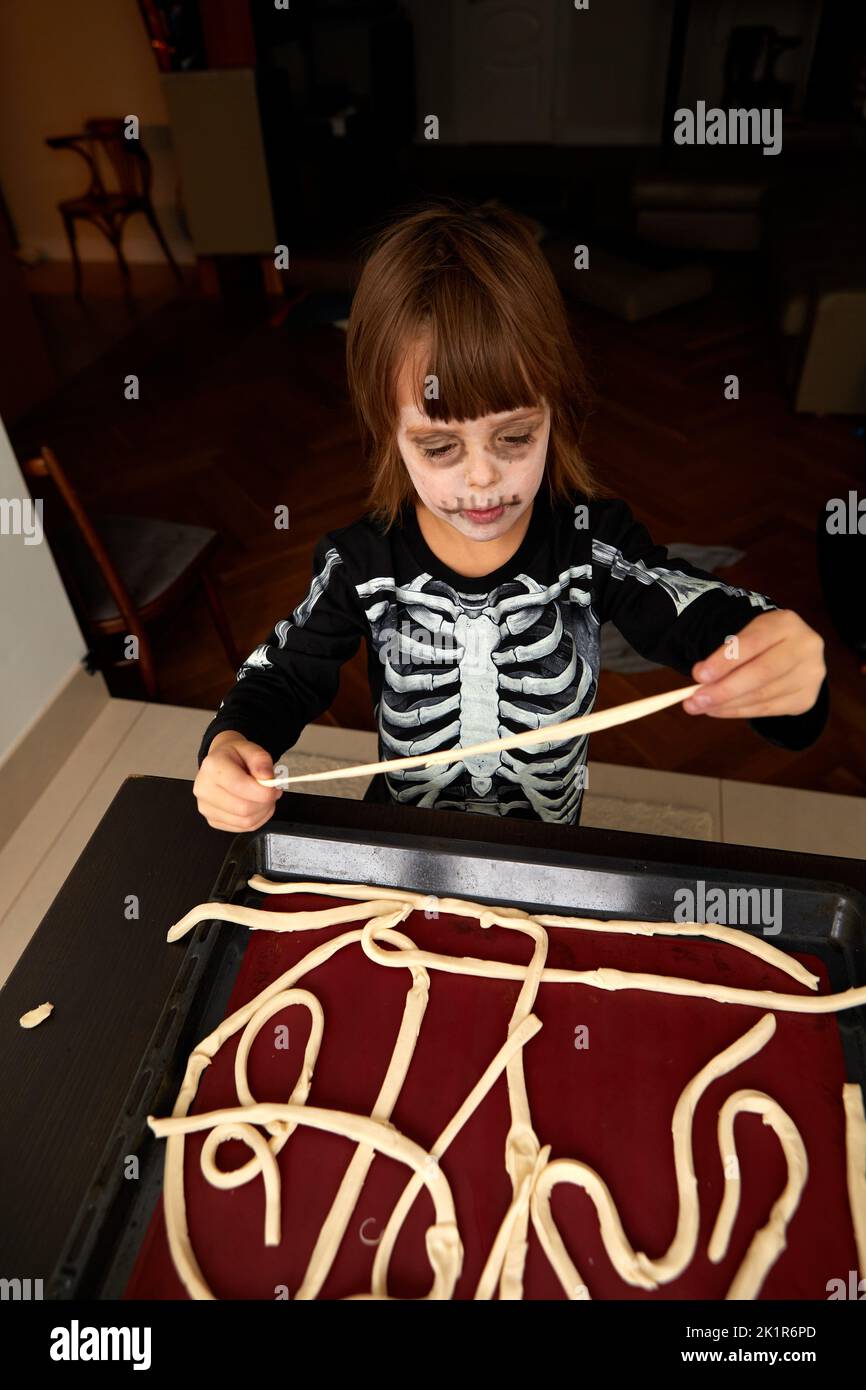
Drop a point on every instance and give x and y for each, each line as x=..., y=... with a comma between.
x=479, y=476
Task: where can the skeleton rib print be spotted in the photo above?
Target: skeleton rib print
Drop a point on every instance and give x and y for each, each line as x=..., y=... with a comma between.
x=461, y=668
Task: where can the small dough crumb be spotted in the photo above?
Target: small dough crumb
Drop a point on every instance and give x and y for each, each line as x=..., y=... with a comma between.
x=36, y=1016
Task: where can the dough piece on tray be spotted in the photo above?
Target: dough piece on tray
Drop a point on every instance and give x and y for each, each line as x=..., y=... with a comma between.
x=34, y=1017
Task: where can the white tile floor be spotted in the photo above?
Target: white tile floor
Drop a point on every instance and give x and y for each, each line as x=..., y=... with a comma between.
x=131, y=738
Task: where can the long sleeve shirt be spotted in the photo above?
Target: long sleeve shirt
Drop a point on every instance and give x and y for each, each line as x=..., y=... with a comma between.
x=454, y=661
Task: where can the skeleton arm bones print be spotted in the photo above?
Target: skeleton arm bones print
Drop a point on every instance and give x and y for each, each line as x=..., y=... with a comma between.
x=455, y=661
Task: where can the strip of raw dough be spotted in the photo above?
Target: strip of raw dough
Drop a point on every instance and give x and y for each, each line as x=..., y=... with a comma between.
x=768, y=1243
x=855, y=1150
x=607, y=979
x=463, y=907
x=548, y=733
x=34, y=1017
x=633, y=1266
x=257, y=919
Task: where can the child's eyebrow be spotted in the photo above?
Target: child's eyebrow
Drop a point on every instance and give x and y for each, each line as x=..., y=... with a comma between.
x=428, y=431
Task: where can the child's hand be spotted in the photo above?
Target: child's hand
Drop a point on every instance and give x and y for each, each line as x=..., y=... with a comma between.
x=778, y=669
x=228, y=795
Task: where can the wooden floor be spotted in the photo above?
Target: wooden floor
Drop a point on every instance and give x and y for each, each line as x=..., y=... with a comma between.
x=237, y=417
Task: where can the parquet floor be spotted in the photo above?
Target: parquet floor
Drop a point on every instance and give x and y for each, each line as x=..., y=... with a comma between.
x=236, y=418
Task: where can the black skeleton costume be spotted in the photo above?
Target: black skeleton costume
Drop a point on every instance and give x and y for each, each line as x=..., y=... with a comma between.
x=454, y=661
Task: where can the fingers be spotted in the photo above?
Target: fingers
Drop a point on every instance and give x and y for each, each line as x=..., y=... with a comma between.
x=229, y=805
x=228, y=795
x=757, y=675
x=778, y=669
x=761, y=633
x=235, y=780
x=220, y=819
x=256, y=760
x=783, y=696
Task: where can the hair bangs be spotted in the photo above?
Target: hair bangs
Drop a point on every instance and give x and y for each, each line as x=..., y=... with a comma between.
x=467, y=364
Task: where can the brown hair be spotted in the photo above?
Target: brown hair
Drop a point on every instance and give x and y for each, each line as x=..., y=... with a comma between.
x=472, y=282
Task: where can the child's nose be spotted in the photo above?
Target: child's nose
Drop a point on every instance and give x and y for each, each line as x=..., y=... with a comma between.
x=482, y=473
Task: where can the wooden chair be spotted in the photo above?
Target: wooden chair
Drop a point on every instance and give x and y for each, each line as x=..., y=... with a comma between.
x=109, y=157
x=122, y=572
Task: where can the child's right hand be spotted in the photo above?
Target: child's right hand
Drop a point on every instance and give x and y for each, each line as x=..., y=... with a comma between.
x=228, y=795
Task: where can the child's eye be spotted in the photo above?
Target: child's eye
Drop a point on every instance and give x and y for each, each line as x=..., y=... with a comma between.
x=518, y=438
x=438, y=452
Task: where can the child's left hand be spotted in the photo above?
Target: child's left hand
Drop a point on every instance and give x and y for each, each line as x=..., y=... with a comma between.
x=778, y=669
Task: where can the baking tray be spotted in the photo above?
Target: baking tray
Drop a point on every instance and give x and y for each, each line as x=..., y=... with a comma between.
x=822, y=918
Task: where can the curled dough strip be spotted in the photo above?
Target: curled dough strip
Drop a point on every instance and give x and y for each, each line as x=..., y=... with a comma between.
x=546, y=734
x=855, y=1151
x=443, y=1242
x=462, y=907
x=236, y=1177
x=265, y=1162
x=767, y=1244
x=631, y=1265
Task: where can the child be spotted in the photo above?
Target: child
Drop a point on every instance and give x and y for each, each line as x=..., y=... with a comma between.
x=488, y=561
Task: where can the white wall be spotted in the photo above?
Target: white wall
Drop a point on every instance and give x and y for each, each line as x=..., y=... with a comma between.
x=40, y=641
x=61, y=63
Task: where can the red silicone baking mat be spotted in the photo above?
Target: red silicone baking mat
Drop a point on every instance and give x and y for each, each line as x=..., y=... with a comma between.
x=609, y=1104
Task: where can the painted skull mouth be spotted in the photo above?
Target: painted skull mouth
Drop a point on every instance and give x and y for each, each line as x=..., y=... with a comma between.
x=470, y=506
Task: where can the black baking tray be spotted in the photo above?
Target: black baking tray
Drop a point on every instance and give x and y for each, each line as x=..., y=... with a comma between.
x=823, y=918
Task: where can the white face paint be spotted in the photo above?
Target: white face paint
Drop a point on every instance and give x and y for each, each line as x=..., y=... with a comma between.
x=494, y=463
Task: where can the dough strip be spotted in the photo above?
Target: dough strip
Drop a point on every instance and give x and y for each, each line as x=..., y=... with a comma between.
x=855, y=1150
x=548, y=733
x=768, y=1243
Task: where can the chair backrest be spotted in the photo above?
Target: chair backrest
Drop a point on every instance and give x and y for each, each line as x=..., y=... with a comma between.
x=126, y=160
x=115, y=164
x=46, y=465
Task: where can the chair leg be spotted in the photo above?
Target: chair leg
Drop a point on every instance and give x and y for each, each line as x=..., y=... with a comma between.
x=158, y=233
x=116, y=239
x=147, y=666
x=72, y=238
x=220, y=620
